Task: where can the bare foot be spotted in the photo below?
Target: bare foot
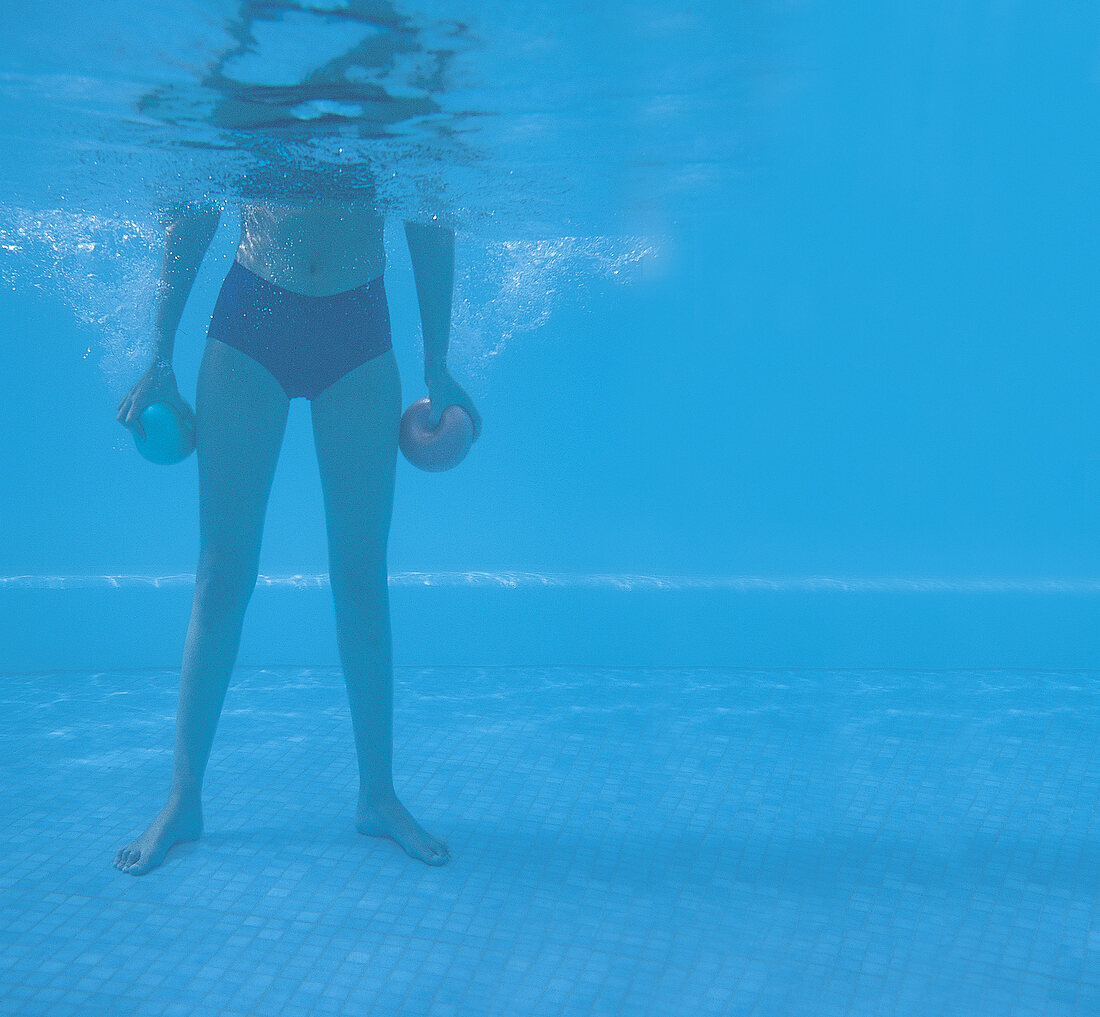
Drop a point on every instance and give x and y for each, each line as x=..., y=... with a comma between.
x=175, y=825
x=387, y=817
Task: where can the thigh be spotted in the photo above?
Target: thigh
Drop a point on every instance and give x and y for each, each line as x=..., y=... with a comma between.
x=355, y=428
x=241, y=413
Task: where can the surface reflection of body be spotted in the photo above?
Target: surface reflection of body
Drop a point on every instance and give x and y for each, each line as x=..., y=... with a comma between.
x=321, y=263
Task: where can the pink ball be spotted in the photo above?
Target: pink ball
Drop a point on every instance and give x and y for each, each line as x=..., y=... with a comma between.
x=439, y=449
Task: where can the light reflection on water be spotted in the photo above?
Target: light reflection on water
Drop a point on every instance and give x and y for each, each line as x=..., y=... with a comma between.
x=563, y=121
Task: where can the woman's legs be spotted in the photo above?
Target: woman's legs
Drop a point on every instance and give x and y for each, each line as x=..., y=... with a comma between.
x=241, y=412
x=355, y=426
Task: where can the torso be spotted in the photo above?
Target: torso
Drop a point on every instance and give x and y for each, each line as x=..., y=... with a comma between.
x=312, y=249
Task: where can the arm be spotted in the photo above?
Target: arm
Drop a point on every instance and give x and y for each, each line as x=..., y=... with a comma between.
x=188, y=231
x=432, y=249
x=187, y=234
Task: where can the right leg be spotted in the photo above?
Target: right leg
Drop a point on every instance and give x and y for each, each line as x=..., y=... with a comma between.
x=241, y=413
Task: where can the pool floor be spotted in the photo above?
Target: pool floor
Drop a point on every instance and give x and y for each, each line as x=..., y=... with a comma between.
x=624, y=841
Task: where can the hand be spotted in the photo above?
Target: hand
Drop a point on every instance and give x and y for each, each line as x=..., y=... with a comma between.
x=444, y=391
x=156, y=385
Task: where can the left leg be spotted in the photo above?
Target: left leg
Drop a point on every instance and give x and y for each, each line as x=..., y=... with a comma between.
x=355, y=426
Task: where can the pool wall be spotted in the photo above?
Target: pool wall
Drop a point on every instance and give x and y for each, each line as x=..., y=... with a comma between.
x=104, y=628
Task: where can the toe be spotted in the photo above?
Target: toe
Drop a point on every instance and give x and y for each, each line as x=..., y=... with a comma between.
x=439, y=854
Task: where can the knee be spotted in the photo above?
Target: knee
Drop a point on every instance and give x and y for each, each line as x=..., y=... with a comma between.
x=224, y=582
x=363, y=580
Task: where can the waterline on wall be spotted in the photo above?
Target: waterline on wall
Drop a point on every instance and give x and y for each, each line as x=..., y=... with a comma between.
x=593, y=581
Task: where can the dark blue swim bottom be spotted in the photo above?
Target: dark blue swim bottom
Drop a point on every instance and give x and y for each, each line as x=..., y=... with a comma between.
x=306, y=342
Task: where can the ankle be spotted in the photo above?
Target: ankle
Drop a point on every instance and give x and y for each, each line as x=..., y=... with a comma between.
x=184, y=801
x=377, y=794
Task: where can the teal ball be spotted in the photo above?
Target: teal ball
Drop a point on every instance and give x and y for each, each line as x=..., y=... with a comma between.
x=168, y=437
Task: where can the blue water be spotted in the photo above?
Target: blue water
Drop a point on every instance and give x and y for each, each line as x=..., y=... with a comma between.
x=861, y=343
x=782, y=321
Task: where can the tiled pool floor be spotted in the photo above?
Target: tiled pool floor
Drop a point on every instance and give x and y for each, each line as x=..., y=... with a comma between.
x=644, y=842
